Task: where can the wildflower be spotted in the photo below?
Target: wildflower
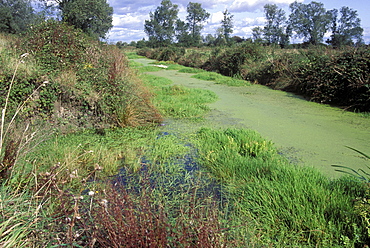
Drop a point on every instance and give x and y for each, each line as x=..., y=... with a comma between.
x=91, y=193
x=98, y=167
x=24, y=55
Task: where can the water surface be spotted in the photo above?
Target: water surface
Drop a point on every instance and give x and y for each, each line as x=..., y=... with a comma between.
x=307, y=133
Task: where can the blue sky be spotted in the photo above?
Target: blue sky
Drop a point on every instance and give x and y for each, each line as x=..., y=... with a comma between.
x=129, y=16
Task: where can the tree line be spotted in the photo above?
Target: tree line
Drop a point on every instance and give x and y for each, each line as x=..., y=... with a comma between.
x=310, y=22
x=94, y=17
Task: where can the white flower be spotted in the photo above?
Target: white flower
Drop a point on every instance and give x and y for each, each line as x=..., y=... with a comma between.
x=91, y=192
x=24, y=55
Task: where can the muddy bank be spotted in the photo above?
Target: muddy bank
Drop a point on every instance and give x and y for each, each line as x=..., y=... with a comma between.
x=307, y=133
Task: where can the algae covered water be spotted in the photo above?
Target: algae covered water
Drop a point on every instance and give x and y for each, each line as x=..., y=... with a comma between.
x=306, y=133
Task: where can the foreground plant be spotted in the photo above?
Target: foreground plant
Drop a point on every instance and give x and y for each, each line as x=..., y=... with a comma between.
x=360, y=173
x=11, y=147
x=291, y=205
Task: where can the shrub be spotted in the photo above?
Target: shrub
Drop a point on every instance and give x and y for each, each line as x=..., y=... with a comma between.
x=147, y=52
x=195, y=59
x=92, y=82
x=58, y=46
x=323, y=75
x=169, y=53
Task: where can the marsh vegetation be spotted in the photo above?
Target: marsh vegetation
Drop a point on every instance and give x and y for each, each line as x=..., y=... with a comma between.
x=87, y=163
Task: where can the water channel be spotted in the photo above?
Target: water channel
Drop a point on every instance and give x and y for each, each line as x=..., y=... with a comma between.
x=307, y=133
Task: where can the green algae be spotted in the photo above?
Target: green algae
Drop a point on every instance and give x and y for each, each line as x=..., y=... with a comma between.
x=307, y=133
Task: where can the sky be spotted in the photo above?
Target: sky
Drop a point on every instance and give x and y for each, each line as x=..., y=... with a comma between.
x=129, y=16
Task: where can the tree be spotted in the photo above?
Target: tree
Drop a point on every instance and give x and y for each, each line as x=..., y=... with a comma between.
x=309, y=21
x=15, y=15
x=182, y=33
x=257, y=34
x=196, y=16
x=161, y=26
x=346, y=28
x=274, y=31
x=91, y=16
x=209, y=40
x=227, y=25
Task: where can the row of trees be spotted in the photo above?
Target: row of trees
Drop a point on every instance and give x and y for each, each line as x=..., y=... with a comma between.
x=164, y=25
x=307, y=21
x=310, y=22
x=92, y=16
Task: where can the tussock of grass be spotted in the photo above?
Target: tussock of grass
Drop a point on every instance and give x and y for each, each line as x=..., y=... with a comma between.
x=291, y=205
x=190, y=70
x=133, y=55
x=134, y=64
x=219, y=79
x=178, y=101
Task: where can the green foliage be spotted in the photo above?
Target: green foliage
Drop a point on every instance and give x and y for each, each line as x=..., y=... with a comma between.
x=230, y=61
x=362, y=203
x=146, y=52
x=93, y=17
x=219, y=79
x=91, y=81
x=178, y=101
x=16, y=220
x=58, y=46
x=161, y=26
x=168, y=53
x=196, y=16
x=227, y=25
x=193, y=58
x=190, y=70
x=323, y=75
x=341, y=79
x=310, y=21
x=274, y=30
x=291, y=205
x=346, y=28
x=15, y=15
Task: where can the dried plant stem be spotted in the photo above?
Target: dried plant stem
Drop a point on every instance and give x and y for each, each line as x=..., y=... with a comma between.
x=3, y=112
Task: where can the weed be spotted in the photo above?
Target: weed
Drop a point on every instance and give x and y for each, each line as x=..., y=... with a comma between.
x=291, y=205
x=360, y=173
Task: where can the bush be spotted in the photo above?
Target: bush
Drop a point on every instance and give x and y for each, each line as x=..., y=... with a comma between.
x=58, y=46
x=92, y=82
x=230, y=61
x=323, y=75
x=169, y=53
x=147, y=52
x=195, y=59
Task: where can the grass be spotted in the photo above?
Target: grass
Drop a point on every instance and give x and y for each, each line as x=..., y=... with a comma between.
x=291, y=205
x=178, y=101
x=219, y=79
x=133, y=55
x=190, y=70
x=141, y=186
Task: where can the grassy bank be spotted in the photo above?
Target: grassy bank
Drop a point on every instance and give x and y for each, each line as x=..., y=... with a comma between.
x=291, y=205
x=321, y=74
x=127, y=182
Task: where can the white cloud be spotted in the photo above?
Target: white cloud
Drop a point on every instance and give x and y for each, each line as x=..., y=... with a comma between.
x=216, y=18
x=125, y=34
x=258, y=21
x=129, y=20
x=253, y=5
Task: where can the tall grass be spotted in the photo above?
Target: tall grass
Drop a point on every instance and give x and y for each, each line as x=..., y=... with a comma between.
x=219, y=79
x=290, y=205
x=178, y=101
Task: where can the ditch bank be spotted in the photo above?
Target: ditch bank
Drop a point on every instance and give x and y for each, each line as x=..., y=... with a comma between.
x=306, y=133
